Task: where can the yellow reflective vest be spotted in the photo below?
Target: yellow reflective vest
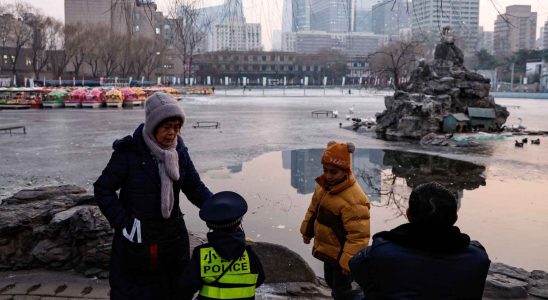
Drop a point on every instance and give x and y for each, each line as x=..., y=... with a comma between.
x=237, y=282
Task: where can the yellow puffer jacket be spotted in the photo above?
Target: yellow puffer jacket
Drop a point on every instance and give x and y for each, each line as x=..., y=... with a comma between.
x=338, y=220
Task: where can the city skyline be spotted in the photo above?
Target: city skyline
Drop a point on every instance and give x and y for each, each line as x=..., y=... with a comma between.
x=269, y=12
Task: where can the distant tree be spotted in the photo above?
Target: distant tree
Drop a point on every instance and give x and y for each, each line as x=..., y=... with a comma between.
x=43, y=41
x=94, y=36
x=190, y=28
x=396, y=60
x=60, y=54
x=148, y=55
x=20, y=34
x=485, y=60
x=110, y=52
x=77, y=44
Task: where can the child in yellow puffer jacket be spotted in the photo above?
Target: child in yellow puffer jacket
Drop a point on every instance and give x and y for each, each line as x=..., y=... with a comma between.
x=337, y=218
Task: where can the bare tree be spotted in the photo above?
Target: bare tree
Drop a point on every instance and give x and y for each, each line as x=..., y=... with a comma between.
x=396, y=60
x=60, y=55
x=126, y=60
x=93, y=57
x=110, y=52
x=77, y=44
x=6, y=22
x=20, y=34
x=45, y=37
x=189, y=29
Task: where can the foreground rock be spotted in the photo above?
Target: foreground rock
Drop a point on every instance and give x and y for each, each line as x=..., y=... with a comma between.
x=61, y=229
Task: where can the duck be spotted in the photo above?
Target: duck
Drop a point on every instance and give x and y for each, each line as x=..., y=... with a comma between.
x=535, y=142
x=524, y=140
x=518, y=144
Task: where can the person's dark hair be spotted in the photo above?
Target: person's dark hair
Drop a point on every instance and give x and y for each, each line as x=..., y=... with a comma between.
x=432, y=204
x=167, y=120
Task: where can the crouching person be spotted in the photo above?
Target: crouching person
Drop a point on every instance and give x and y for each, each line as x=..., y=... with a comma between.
x=226, y=267
x=427, y=258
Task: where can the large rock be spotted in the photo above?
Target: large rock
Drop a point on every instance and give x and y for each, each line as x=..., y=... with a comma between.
x=507, y=282
x=283, y=265
x=435, y=90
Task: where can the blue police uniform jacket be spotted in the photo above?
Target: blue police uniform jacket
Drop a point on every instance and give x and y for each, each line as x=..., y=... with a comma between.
x=133, y=170
x=409, y=263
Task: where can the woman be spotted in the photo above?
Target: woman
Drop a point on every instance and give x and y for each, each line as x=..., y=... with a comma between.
x=150, y=246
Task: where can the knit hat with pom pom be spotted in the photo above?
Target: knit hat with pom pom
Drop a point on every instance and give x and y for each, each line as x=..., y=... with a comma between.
x=338, y=155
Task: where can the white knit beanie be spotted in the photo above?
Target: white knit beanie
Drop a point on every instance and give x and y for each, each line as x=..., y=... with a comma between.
x=158, y=107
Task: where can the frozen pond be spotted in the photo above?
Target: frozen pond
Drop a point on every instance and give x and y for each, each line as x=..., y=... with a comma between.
x=268, y=149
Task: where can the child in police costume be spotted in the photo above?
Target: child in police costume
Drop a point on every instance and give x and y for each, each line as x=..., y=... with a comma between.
x=337, y=218
x=226, y=267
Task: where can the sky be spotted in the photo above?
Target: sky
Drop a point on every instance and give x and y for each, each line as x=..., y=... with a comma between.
x=268, y=12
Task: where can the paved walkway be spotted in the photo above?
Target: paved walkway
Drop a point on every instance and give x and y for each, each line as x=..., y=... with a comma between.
x=43, y=285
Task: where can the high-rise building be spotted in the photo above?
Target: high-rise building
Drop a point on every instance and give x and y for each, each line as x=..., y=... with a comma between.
x=428, y=17
x=349, y=43
x=364, y=20
x=485, y=40
x=121, y=16
x=514, y=30
x=545, y=35
x=86, y=11
x=332, y=15
x=389, y=18
x=235, y=34
x=296, y=15
x=540, y=40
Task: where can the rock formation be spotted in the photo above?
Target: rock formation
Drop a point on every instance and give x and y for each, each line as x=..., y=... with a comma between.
x=435, y=89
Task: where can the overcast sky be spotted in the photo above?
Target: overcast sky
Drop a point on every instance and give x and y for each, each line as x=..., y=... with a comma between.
x=268, y=12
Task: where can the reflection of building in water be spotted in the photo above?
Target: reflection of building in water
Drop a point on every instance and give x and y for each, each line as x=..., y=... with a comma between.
x=306, y=166
x=367, y=167
x=235, y=168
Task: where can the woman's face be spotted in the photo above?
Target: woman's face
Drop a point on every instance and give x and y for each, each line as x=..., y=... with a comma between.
x=333, y=175
x=166, y=133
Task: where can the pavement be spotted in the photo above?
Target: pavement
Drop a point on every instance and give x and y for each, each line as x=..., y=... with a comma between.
x=43, y=285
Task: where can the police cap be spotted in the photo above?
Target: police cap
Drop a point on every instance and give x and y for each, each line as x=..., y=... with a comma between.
x=223, y=210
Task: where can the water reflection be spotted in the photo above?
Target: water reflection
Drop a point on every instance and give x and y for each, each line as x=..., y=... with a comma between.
x=387, y=176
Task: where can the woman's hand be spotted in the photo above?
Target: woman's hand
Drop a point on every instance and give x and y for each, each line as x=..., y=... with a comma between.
x=306, y=240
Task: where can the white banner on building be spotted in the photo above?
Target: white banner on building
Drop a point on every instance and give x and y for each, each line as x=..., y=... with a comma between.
x=325, y=81
x=306, y=81
x=208, y=80
x=343, y=80
x=142, y=80
x=285, y=81
x=159, y=81
x=191, y=81
x=361, y=78
x=186, y=80
x=31, y=82
x=244, y=81
x=174, y=80
x=130, y=80
x=226, y=80
x=115, y=80
x=264, y=81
